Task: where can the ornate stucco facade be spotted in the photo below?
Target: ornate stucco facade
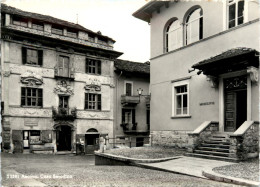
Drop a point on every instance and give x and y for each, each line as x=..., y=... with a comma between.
x=57, y=83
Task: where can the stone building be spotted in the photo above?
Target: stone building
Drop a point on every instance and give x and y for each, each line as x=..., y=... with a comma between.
x=204, y=75
x=132, y=103
x=57, y=83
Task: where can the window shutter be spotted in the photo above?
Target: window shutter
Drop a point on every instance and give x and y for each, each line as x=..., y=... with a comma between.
x=99, y=67
x=23, y=95
x=40, y=103
x=86, y=100
x=99, y=101
x=133, y=116
x=123, y=115
x=87, y=61
x=40, y=57
x=24, y=55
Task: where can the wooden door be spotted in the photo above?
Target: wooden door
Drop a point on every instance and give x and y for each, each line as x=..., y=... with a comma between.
x=17, y=136
x=230, y=111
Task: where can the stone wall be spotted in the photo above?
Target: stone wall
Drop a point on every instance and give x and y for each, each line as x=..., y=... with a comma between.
x=170, y=138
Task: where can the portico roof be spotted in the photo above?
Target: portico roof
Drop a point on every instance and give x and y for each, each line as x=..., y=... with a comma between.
x=228, y=61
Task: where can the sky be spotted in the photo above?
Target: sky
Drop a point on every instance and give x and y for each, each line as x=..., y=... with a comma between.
x=112, y=17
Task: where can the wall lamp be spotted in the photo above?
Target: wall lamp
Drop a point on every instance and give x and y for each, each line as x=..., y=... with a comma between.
x=140, y=93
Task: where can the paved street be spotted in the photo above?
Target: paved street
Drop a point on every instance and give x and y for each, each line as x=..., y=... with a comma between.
x=65, y=170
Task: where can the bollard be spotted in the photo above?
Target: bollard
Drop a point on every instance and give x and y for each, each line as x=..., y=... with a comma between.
x=101, y=144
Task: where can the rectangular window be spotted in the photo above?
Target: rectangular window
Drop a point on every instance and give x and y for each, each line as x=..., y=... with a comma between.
x=37, y=26
x=235, y=13
x=128, y=116
x=32, y=56
x=93, y=66
x=58, y=31
x=20, y=21
x=72, y=34
x=63, y=66
x=31, y=97
x=180, y=99
x=92, y=101
x=128, y=88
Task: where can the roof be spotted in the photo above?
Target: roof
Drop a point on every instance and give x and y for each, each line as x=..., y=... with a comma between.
x=225, y=55
x=48, y=19
x=132, y=67
x=145, y=12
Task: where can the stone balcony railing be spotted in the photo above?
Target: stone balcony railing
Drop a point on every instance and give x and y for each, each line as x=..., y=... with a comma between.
x=130, y=100
x=64, y=113
x=91, y=43
x=132, y=129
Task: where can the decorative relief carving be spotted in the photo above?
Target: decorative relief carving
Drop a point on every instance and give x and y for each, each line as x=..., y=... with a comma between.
x=93, y=85
x=63, y=88
x=31, y=79
x=7, y=73
x=32, y=112
x=253, y=72
x=213, y=81
x=94, y=115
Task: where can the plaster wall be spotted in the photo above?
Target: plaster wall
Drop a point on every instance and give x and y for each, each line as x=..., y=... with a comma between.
x=175, y=65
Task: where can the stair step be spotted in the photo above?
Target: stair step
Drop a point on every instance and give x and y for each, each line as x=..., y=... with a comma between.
x=213, y=157
x=216, y=142
x=215, y=145
x=219, y=139
x=212, y=153
x=214, y=149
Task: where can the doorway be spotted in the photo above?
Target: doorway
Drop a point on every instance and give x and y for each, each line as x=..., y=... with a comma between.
x=92, y=143
x=235, y=102
x=63, y=137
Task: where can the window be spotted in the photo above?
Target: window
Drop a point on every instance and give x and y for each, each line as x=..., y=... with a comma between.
x=128, y=116
x=58, y=31
x=93, y=66
x=194, y=26
x=235, y=13
x=71, y=34
x=63, y=66
x=93, y=101
x=20, y=21
x=173, y=36
x=32, y=56
x=180, y=99
x=31, y=97
x=37, y=26
x=128, y=88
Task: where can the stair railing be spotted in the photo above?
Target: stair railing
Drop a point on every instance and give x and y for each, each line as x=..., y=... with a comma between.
x=200, y=134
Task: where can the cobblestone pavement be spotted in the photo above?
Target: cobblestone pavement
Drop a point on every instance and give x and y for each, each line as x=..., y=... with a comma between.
x=65, y=170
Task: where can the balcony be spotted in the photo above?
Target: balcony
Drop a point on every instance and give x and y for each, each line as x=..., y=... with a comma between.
x=147, y=101
x=131, y=129
x=61, y=73
x=64, y=113
x=130, y=100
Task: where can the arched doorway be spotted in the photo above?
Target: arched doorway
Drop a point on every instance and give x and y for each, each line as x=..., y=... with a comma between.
x=92, y=141
x=63, y=138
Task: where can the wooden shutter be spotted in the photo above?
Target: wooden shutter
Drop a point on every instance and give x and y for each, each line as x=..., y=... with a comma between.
x=46, y=136
x=87, y=62
x=23, y=96
x=24, y=55
x=133, y=116
x=86, y=100
x=99, y=101
x=40, y=103
x=99, y=67
x=40, y=57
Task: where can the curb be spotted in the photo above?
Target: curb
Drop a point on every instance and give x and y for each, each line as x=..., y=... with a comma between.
x=222, y=178
x=135, y=160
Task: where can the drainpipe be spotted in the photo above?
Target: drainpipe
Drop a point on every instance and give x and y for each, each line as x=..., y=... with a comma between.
x=116, y=107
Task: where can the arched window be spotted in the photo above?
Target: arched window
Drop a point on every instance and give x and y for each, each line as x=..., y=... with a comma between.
x=194, y=26
x=173, y=36
x=235, y=12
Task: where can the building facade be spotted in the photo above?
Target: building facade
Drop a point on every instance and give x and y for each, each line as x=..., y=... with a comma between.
x=57, y=83
x=204, y=67
x=132, y=103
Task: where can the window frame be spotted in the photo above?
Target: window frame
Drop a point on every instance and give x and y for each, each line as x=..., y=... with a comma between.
x=174, y=98
x=132, y=87
x=97, y=67
x=25, y=56
x=96, y=101
x=187, y=23
x=236, y=2
x=25, y=97
x=166, y=35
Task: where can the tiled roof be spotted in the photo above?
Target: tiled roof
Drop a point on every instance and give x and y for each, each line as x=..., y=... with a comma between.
x=132, y=67
x=225, y=55
x=47, y=19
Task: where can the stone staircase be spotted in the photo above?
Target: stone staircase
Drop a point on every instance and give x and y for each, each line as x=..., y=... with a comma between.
x=216, y=147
